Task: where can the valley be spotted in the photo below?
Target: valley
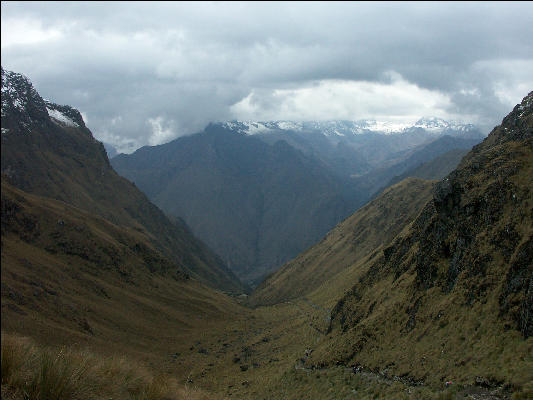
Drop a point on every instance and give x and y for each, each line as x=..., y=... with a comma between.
x=261, y=193
x=369, y=282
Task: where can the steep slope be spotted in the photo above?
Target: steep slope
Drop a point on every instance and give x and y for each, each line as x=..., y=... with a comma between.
x=110, y=150
x=48, y=150
x=451, y=297
x=69, y=276
x=404, y=161
x=255, y=204
x=435, y=169
x=349, y=243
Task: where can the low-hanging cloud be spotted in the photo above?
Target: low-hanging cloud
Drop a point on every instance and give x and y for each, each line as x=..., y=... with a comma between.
x=348, y=100
x=144, y=73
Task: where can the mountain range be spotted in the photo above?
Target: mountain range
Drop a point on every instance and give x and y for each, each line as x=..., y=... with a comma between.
x=339, y=128
x=258, y=193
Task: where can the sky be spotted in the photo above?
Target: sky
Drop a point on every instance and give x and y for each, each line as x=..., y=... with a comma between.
x=145, y=73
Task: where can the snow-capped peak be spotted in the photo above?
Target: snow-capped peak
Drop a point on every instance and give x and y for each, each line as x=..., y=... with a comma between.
x=432, y=123
x=334, y=128
x=24, y=110
x=255, y=127
x=17, y=92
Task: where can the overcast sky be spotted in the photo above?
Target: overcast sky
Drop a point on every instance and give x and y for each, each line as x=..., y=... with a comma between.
x=145, y=73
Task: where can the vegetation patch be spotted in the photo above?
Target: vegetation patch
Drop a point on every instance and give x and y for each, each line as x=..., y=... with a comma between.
x=40, y=373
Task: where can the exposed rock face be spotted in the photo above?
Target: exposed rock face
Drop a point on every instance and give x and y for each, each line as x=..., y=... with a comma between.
x=468, y=257
x=21, y=101
x=478, y=216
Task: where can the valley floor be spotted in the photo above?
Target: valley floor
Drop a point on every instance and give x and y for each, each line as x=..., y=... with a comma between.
x=260, y=354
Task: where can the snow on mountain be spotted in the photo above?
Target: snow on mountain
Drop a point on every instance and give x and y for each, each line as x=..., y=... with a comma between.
x=58, y=116
x=431, y=125
x=17, y=92
x=24, y=110
x=439, y=125
x=20, y=98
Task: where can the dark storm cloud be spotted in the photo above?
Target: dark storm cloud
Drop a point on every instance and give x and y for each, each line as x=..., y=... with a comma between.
x=143, y=73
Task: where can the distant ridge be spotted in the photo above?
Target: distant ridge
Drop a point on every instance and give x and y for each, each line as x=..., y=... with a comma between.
x=259, y=193
x=346, y=128
x=254, y=203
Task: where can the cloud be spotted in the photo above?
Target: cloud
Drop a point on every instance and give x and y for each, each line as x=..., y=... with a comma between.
x=397, y=100
x=20, y=32
x=192, y=63
x=161, y=129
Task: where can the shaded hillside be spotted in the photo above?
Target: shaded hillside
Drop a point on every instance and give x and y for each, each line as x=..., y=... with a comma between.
x=451, y=297
x=255, y=204
x=69, y=276
x=350, y=242
x=259, y=193
x=435, y=169
x=404, y=161
x=48, y=150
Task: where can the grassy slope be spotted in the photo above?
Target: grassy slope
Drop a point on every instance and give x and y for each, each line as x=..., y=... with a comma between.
x=449, y=298
x=30, y=371
x=71, y=277
x=435, y=169
x=87, y=181
x=346, y=246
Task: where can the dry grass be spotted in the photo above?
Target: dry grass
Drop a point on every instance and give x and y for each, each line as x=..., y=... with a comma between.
x=32, y=372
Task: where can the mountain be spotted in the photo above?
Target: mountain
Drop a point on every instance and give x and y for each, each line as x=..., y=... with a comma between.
x=435, y=169
x=339, y=128
x=450, y=297
x=365, y=232
x=70, y=276
x=260, y=169
x=255, y=204
x=376, y=179
x=47, y=150
x=426, y=284
x=354, y=148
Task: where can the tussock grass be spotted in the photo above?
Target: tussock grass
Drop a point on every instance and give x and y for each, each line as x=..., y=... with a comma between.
x=15, y=352
x=58, y=375
x=32, y=372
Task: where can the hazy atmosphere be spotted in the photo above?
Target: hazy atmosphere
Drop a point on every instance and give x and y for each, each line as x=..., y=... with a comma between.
x=146, y=73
